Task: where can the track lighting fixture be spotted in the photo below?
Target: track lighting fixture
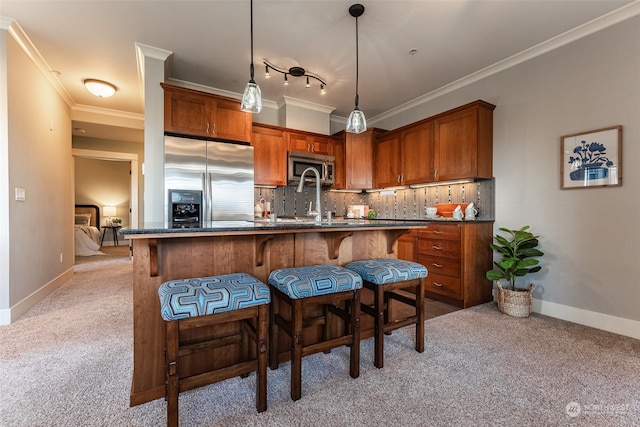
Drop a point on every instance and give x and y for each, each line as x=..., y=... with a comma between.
x=295, y=72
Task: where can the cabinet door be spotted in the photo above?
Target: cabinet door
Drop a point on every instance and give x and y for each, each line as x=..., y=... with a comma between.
x=298, y=142
x=230, y=122
x=187, y=113
x=321, y=145
x=270, y=156
x=417, y=154
x=408, y=246
x=339, y=182
x=387, y=155
x=457, y=150
x=359, y=160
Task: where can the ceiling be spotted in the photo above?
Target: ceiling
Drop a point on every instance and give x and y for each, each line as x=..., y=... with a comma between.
x=210, y=42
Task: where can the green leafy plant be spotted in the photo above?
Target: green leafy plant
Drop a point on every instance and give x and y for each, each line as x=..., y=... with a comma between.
x=519, y=252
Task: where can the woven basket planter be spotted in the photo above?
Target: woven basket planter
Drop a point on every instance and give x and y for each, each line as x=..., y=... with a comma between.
x=515, y=303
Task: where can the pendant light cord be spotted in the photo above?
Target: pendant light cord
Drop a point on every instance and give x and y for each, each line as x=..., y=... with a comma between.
x=357, y=67
x=251, y=66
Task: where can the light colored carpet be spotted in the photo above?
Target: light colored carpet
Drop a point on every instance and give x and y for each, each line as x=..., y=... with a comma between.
x=67, y=362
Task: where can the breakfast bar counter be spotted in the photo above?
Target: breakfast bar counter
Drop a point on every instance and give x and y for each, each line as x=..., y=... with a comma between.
x=162, y=253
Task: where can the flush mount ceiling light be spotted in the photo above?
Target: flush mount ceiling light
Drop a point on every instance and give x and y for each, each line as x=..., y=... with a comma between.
x=100, y=88
x=295, y=72
x=252, y=96
x=356, y=123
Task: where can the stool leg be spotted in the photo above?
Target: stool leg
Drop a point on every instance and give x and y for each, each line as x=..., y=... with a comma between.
x=273, y=348
x=172, y=373
x=378, y=359
x=354, y=360
x=296, y=349
x=244, y=343
x=388, y=306
x=420, y=316
x=262, y=343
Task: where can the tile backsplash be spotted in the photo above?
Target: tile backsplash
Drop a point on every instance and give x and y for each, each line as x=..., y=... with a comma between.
x=410, y=203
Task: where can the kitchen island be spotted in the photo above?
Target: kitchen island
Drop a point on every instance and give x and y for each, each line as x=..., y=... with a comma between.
x=161, y=253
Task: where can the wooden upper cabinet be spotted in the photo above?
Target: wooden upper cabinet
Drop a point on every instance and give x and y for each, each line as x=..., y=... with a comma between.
x=354, y=159
x=270, y=155
x=405, y=156
x=464, y=142
x=309, y=143
x=417, y=150
x=191, y=112
x=388, y=160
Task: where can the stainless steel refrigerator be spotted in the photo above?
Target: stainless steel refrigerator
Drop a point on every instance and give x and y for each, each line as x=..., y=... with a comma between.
x=222, y=171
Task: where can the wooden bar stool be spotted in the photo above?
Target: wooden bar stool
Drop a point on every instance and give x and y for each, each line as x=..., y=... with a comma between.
x=319, y=285
x=384, y=276
x=209, y=302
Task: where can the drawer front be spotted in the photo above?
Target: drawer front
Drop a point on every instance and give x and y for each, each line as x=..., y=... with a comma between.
x=439, y=248
x=443, y=285
x=441, y=266
x=440, y=232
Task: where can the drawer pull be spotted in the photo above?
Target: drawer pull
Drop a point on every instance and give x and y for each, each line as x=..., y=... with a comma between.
x=437, y=232
x=438, y=284
x=436, y=265
x=437, y=248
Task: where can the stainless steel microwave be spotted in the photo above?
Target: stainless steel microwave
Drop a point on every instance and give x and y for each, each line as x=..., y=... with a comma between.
x=299, y=161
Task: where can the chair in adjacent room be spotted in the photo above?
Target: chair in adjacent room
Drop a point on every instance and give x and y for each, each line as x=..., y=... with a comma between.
x=386, y=276
x=193, y=309
x=333, y=290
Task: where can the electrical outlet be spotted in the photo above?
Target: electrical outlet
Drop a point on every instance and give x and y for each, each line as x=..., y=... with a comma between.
x=61, y=258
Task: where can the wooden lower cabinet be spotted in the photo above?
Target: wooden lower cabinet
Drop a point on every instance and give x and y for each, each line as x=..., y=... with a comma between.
x=457, y=256
x=408, y=246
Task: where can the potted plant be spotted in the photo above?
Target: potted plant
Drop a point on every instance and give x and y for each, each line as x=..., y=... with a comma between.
x=518, y=259
x=590, y=162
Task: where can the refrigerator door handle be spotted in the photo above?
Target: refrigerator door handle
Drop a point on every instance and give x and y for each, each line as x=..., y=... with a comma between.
x=206, y=187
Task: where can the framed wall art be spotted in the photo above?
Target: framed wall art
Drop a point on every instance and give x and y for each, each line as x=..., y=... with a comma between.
x=591, y=159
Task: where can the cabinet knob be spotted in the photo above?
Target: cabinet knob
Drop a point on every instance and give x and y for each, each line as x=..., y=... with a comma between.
x=207, y=128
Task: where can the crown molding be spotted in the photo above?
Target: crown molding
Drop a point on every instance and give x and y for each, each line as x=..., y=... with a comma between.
x=17, y=33
x=287, y=100
x=81, y=112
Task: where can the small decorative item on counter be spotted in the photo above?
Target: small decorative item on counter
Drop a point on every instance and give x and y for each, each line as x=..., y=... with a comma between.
x=371, y=214
x=258, y=208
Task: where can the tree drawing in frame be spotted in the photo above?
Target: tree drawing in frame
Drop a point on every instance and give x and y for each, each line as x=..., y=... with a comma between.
x=591, y=159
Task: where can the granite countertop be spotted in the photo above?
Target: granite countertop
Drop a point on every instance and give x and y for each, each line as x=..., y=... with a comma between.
x=282, y=224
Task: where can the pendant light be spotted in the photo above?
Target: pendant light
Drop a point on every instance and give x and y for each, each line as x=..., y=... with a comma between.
x=252, y=96
x=356, y=123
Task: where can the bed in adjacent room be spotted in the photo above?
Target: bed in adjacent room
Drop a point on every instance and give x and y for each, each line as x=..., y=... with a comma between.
x=87, y=230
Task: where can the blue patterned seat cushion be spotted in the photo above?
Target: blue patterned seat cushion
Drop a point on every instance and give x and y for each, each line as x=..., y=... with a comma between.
x=314, y=280
x=387, y=270
x=181, y=299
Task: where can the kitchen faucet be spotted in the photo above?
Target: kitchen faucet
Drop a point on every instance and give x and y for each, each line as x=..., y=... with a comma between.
x=318, y=212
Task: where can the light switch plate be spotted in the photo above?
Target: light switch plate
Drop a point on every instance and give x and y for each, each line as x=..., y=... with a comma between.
x=20, y=194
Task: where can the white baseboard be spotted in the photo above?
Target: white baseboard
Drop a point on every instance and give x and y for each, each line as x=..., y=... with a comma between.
x=606, y=322
x=9, y=315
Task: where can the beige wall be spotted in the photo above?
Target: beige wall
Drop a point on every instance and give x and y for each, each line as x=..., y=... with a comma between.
x=39, y=153
x=589, y=236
